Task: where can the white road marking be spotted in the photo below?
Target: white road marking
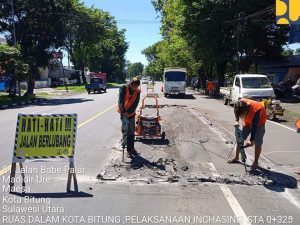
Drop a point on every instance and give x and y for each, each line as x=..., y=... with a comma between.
x=289, y=195
x=233, y=202
x=261, y=155
x=281, y=152
x=206, y=122
x=282, y=125
x=291, y=198
x=251, y=157
x=289, y=167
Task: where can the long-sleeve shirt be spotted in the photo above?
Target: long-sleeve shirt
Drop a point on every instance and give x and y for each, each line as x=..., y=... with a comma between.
x=122, y=93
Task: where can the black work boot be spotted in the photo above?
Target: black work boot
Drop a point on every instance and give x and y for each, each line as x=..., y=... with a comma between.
x=129, y=147
x=132, y=149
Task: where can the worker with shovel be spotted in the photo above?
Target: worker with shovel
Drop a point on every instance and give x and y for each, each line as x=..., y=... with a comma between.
x=254, y=117
x=129, y=97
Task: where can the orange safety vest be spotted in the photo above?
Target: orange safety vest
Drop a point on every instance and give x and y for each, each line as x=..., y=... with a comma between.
x=128, y=101
x=210, y=86
x=254, y=107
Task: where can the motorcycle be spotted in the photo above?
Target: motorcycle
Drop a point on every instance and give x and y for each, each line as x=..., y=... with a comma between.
x=296, y=88
x=283, y=90
x=273, y=108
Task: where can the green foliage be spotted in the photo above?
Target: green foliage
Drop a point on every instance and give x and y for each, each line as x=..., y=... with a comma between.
x=44, y=28
x=94, y=41
x=211, y=30
x=155, y=65
x=12, y=64
x=39, y=28
x=169, y=53
x=89, y=35
x=135, y=69
x=288, y=52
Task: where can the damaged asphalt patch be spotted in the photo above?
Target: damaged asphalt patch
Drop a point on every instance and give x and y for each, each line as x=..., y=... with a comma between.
x=181, y=157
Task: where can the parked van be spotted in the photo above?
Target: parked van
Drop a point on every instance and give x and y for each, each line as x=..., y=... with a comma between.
x=174, y=81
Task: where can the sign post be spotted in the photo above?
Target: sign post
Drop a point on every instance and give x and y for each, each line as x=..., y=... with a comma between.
x=45, y=137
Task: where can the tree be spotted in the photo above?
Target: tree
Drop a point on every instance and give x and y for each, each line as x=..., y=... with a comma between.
x=155, y=65
x=113, y=50
x=288, y=52
x=89, y=35
x=169, y=53
x=135, y=69
x=297, y=51
x=94, y=41
x=84, y=28
x=217, y=30
x=11, y=64
x=39, y=28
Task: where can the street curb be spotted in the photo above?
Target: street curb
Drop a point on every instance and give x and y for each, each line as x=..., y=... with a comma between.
x=23, y=103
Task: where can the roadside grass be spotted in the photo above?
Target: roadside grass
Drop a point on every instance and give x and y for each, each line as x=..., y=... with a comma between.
x=75, y=88
x=292, y=114
x=81, y=87
x=43, y=94
x=6, y=99
x=289, y=117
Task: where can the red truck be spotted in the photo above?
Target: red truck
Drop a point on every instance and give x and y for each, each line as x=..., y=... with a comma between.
x=97, y=82
x=101, y=75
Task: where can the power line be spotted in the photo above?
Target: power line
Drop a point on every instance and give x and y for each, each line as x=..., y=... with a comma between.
x=73, y=17
x=256, y=14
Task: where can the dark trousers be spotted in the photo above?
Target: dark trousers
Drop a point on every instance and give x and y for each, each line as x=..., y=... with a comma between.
x=128, y=127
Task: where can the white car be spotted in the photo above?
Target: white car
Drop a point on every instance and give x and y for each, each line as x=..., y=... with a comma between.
x=145, y=81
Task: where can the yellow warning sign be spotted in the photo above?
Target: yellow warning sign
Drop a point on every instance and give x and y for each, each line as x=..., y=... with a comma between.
x=45, y=136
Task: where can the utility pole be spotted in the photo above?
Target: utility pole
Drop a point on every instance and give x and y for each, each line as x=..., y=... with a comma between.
x=15, y=43
x=238, y=46
x=63, y=70
x=13, y=22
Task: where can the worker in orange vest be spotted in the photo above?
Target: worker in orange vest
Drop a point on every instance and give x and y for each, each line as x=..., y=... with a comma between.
x=129, y=97
x=210, y=88
x=254, y=117
x=298, y=125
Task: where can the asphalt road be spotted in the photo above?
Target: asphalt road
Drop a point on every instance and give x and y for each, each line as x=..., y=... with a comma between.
x=184, y=180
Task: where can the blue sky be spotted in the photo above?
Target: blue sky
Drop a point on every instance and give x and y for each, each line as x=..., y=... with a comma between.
x=139, y=34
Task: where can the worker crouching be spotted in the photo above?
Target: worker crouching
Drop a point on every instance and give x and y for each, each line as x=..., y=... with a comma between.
x=254, y=117
x=129, y=97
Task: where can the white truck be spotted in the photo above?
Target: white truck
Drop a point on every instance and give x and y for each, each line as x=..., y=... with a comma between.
x=253, y=86
x=174, y=81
